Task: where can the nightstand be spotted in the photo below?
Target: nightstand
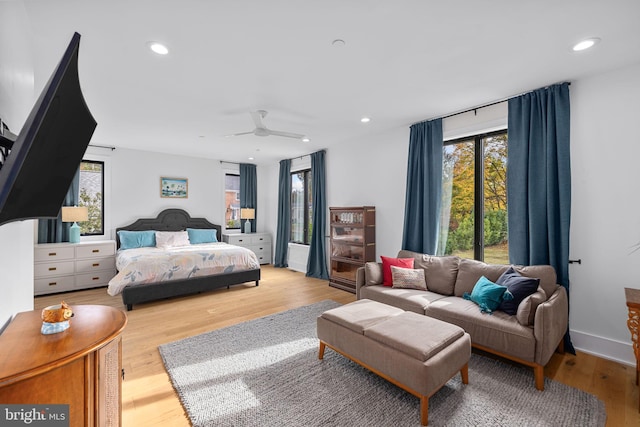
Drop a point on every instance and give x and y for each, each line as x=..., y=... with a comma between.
x=259, y=243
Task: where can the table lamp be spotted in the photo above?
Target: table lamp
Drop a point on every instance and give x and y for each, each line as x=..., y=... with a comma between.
x=74, y=214
x=248, y=214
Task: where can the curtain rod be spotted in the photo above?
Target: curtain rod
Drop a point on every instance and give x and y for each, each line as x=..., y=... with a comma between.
x=475, y=109
x=307, y=155
x=109, y=147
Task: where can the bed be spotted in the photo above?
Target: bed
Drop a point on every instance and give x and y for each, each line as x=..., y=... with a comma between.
x=179, y=220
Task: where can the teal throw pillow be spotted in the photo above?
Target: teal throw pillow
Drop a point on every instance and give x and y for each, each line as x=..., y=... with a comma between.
x=137, y=239
x=202, y=235
x=488, y=295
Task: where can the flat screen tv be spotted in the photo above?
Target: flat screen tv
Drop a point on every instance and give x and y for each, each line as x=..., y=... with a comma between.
x=42, y=161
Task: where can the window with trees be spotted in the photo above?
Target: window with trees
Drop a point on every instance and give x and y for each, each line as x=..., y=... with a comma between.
x=474, y=198
x=301, y=207
x=91, y=192
x=232, y=200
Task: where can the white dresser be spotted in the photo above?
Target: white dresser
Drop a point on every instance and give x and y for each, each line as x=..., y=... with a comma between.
x=259, y=243
x=60, y=267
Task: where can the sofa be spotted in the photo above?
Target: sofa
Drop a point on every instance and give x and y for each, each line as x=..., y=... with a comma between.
x=530, y=336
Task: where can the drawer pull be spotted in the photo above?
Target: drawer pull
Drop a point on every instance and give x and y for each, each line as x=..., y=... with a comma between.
x=52, y=268
x=52, y=254
x=97, y=264
x=95, y=251
x=53, y=283
x=95, y=278
x=240, y=240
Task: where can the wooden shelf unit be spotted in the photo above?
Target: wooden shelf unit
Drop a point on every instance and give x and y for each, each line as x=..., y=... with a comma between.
x=353, y=243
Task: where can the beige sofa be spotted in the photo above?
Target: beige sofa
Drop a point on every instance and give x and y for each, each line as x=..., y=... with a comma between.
x=529, y=337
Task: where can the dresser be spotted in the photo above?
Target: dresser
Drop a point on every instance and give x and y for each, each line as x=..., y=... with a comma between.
x=60, y=267
x=259, y=243
x=80, y=367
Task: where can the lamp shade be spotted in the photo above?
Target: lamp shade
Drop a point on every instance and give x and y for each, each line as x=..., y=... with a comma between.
x=74, y=214
x=247, y=213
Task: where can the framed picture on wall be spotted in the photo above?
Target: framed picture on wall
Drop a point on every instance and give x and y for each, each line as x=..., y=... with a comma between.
x=177, y=188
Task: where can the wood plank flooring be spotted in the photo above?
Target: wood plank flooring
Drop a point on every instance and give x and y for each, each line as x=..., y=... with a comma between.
x=148, y=396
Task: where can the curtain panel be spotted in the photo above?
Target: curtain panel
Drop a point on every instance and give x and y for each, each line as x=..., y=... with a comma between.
x=283, y=231
x=54, y=230
x=424, y=188
x=317, y=262
x=248, y=192
x=539, y=181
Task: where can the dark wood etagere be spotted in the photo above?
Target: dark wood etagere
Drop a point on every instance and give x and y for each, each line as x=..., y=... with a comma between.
x=353, y=243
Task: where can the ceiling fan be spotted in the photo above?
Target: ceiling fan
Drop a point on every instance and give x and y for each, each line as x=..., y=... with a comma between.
x=262, y=130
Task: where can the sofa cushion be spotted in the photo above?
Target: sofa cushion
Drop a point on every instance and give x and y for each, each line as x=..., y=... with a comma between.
x=499, y=332
x=406, y=299
x=408, y=278
x=361, y=314
x=470, y=270
x=526, y=313
x=488, y=295
x=519, y=286
x=372, y=273
x=439, y=271
x=387, y=262
x=546, y=274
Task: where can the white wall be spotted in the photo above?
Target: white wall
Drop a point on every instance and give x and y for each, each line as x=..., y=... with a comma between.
x=16, y=99
x=605, y=212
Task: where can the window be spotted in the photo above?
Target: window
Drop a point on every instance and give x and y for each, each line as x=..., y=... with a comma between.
x=301, y=207
x=474, y=198
x=232, y=200
x=91, y=192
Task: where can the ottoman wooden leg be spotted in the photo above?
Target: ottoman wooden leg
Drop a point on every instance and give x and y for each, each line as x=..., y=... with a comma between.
x=321, y=350
x=424, y=410
x=464, y=373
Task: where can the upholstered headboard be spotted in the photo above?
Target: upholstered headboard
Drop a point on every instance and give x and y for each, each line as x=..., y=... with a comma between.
x=170, y=220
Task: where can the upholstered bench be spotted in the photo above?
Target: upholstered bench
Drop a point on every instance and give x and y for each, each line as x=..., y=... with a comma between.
x=414, y=352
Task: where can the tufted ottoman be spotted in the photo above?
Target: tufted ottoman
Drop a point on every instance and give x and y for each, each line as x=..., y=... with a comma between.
x=414, y=352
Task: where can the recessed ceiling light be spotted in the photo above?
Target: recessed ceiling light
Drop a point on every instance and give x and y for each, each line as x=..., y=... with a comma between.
x=158, y=48
x=250, y=158
x=365, y=120
x=586, y=44
x=305, y=139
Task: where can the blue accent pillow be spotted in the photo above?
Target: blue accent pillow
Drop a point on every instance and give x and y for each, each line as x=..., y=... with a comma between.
x=137, y=239
x=519, y=286
x=202, y=235
x=487, y=295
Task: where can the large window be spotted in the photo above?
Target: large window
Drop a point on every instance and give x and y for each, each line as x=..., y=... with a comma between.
x=301, y=207
x=232, y=200
x=91, y=195
x=474, y=198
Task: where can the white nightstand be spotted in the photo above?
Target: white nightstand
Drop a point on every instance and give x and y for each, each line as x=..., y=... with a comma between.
x=60, y=267
x=259, y=243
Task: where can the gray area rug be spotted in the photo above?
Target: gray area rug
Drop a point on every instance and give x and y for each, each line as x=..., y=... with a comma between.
x=266, y=372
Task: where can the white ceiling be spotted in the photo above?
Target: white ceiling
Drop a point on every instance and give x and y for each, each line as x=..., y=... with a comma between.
x=404, y=61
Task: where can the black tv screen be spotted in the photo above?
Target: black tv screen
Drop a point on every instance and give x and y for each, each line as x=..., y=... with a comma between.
x=46, y=154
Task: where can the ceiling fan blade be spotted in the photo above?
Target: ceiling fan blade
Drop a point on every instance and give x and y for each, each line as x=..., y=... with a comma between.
x=257, y=117
x=285, y=134
x=238, y=134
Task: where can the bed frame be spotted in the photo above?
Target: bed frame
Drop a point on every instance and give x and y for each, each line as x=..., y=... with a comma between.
x=178, y=220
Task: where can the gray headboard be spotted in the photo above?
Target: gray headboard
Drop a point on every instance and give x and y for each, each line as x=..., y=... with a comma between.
x=169, y=220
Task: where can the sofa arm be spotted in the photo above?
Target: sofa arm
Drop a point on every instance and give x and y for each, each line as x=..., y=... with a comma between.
x=360, y=281
x=550, y=324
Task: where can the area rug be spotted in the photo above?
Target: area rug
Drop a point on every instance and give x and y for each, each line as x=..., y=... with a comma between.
x=266, y=373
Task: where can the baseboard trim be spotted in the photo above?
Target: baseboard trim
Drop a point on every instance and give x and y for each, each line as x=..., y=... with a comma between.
x=605, y=348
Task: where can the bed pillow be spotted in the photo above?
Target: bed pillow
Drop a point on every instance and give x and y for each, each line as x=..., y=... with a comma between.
x=488, y=295
x=202, y=235
x=137, y=239
x=171, y=239
x=387, y=262
x=408, y=278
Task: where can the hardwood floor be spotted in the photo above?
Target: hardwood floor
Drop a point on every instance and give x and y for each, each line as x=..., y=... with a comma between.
x=149, y=398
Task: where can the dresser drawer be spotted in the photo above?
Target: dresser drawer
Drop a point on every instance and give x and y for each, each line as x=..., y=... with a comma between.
x=53, y=284
x=97, y=278
x=263, y=252
x=94, y=250
x=49, y=269
x=95, y=264
x=247, y=239
x=55, y=253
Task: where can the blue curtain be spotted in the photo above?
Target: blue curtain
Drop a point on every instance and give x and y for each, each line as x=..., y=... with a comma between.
x=424, y=188
x=539, y=181
x=248, y=192
x=54, y=230
x=283, y=233
x=317, y=263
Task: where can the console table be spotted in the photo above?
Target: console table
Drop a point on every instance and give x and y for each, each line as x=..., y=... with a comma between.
x=80, y=367
x=633, y=323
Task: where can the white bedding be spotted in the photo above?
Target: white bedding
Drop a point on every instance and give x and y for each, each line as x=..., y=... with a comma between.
x=150, y=265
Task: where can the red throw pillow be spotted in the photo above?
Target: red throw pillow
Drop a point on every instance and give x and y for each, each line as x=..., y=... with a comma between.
x=386, y=267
